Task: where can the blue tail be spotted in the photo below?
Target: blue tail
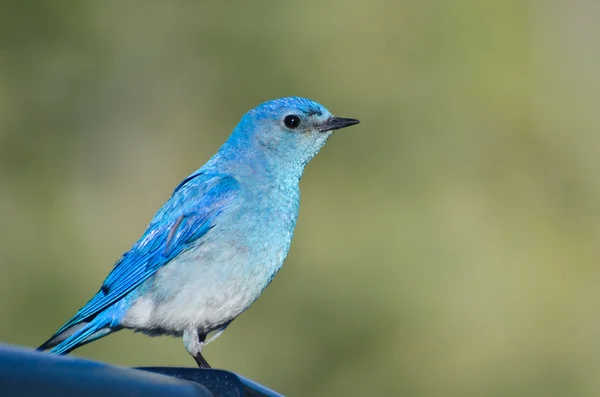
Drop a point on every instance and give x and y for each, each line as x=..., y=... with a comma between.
x=71, y=336
x=85, y=335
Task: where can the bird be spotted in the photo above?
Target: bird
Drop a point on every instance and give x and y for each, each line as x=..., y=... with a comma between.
x=218, y=241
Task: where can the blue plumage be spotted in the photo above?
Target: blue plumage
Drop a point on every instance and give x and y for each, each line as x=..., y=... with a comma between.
x=214, y=246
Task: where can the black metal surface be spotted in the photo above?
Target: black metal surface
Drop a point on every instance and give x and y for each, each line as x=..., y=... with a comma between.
x=221, y=383
x=27, y=373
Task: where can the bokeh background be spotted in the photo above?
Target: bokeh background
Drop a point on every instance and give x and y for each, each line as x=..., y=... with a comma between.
x=447, y=246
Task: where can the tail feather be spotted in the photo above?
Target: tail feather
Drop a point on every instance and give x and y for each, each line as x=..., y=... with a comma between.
x=80, y=334
x=61, y=336
x=80, y=331
x=84, y=335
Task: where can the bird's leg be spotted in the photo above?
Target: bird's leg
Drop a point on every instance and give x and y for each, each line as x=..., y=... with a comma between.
x=201, y=361
x=193, y=342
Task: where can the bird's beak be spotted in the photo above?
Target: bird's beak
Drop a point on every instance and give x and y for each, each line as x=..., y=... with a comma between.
x=335, y=123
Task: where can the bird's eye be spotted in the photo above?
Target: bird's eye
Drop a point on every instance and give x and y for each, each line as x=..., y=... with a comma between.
x=292, y=121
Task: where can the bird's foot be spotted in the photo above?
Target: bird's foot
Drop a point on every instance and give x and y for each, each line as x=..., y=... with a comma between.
x=201, y=361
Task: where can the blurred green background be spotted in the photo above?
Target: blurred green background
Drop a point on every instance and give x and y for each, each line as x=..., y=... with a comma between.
x=447, y=246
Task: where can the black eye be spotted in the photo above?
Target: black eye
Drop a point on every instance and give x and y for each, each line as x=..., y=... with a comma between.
x=292, y=121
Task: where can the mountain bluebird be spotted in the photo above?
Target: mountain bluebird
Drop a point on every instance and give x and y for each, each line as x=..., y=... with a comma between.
x=217, y=243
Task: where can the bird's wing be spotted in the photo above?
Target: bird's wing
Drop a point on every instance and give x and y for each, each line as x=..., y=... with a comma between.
x=192, y=210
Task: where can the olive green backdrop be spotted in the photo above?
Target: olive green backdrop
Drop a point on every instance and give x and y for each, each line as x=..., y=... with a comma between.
x=449, y=245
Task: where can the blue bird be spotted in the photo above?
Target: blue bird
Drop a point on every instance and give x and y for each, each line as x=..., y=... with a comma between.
x=219, y=240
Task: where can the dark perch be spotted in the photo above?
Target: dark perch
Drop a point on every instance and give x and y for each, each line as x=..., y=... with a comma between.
x=27, y=373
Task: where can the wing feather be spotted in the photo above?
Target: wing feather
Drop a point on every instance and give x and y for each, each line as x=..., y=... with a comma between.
x=190, y=213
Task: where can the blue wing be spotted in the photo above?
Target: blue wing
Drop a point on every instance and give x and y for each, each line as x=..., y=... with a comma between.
x=191, y=211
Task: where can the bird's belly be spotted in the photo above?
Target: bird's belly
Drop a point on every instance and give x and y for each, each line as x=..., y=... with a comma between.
x=203, y=288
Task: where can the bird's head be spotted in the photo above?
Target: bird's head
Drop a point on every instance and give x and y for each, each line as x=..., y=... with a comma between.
x=288, y=131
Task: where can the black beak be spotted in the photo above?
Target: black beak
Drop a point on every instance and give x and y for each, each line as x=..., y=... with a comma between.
x=335, y=123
